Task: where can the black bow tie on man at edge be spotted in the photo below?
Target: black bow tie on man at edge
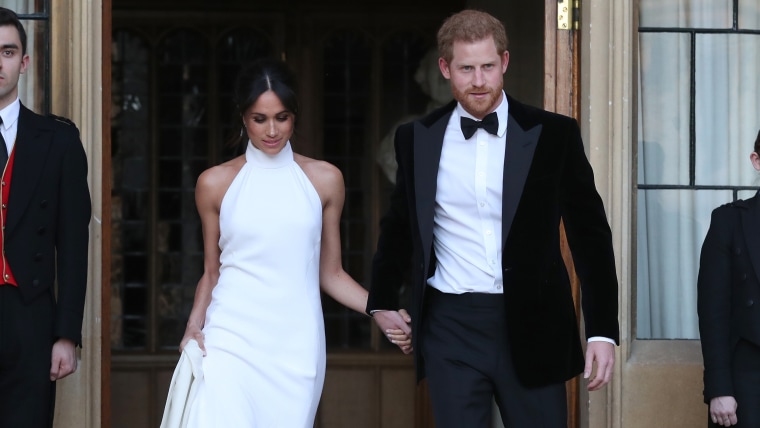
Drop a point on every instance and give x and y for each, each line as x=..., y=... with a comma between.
x=490, y=123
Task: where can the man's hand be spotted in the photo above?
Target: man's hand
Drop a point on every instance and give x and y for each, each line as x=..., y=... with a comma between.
x=603, y=354
x=723, y=411
x=395, y=326
x=63, y=361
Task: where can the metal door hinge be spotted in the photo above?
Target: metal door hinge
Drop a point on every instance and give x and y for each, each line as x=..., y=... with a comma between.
x=568, y=14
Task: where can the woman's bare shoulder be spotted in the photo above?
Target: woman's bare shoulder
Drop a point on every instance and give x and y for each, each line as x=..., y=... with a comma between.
x=319, y=170
x=219, y=177
x=324, y=176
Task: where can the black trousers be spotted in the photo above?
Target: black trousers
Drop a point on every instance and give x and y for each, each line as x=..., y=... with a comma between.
x=26, y=339
x=468, y=364
x=746, y=377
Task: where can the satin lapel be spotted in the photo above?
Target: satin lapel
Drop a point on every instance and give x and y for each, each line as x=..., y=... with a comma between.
x=518, y=156
x=428, y=143
x=751, y=228
x=31, y=149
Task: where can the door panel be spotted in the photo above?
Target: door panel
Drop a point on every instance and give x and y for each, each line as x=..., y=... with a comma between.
x=561, y=92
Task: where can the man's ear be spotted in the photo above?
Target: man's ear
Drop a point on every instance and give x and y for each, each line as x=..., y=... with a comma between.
x=444, y=66
x=755, y=158
x=24, y=63
x=504, y=61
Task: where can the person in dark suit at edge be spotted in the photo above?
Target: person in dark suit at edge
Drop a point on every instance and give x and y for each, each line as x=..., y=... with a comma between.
x=481, y=187
x=45, y=221
x=728, y=304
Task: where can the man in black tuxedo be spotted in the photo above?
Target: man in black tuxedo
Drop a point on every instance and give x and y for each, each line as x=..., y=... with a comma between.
x=45, y=220
x=481, y=188
x=728, y=304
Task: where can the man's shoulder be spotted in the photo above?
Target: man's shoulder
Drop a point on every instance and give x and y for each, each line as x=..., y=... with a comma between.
x=739, y=204
x=60, y=120
x=526, y=113
x=62, y=124
x=56, y=124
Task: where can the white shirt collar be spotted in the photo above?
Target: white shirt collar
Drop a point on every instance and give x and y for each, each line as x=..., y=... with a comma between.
x=10, y=114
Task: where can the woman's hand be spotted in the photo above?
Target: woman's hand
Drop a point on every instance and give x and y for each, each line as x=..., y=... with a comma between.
x=399, y=337
x=193, y=332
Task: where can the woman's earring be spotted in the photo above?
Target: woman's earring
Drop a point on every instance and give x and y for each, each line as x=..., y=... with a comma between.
x=241, y=131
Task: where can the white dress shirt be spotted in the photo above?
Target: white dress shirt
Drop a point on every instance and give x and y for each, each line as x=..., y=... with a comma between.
x=467, y=220
x=9, y=127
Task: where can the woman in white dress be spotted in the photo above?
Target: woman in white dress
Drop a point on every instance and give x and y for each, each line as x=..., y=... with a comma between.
x=271, y=238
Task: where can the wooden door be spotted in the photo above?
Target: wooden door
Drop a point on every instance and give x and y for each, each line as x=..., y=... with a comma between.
x=561, y=95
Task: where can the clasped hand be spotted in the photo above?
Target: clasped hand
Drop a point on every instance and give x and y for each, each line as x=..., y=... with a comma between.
x=396, y=327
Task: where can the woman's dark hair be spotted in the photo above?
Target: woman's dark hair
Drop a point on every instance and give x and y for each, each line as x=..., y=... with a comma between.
x=757, y=143
x=261, y=76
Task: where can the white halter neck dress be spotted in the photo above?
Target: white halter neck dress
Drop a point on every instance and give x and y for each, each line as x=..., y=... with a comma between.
x=264, y=330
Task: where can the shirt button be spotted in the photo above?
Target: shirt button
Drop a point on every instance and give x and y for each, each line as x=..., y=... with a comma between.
x=6, y=276
x=498, y=287
x=488, y=232
x=482, y=204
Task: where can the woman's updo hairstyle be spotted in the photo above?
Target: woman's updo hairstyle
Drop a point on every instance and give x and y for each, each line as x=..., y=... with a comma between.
x=266, y=75
x=260, y=76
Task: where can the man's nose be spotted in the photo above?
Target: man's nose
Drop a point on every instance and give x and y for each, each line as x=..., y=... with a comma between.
x=478, y=79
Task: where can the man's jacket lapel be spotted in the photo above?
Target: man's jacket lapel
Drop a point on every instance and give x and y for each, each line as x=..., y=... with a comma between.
x=521, y=144
x=31, y=148
x=428, y=143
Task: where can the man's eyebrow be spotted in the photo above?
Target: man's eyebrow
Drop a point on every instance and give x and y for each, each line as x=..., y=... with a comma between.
x=9, y=46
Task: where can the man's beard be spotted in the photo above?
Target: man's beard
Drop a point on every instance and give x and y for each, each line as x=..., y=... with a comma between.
x=477, y=107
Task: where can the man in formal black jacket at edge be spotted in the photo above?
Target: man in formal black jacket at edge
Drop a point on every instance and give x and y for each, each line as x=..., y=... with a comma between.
x=728, y=304
x=482, y=184
x=45, y=220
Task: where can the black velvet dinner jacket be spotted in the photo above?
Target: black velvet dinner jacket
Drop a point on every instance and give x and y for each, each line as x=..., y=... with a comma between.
x=728, y=290
x=547, y=177
x=47, y=231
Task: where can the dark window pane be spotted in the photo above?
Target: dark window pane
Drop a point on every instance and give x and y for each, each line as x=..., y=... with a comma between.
x=134, y=237
x=171, y=142
x=169, y=173
x=346, y=115
x=169, y=205
x=135, y=268
x=134, y=333
x=170, y=269
x=135, y=300
x=134, y=205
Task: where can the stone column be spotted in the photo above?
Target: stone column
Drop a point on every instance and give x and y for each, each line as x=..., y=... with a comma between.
x=77, y=62
x=607, y=31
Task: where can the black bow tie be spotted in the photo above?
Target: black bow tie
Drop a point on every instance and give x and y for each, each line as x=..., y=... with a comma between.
x=490, y=123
